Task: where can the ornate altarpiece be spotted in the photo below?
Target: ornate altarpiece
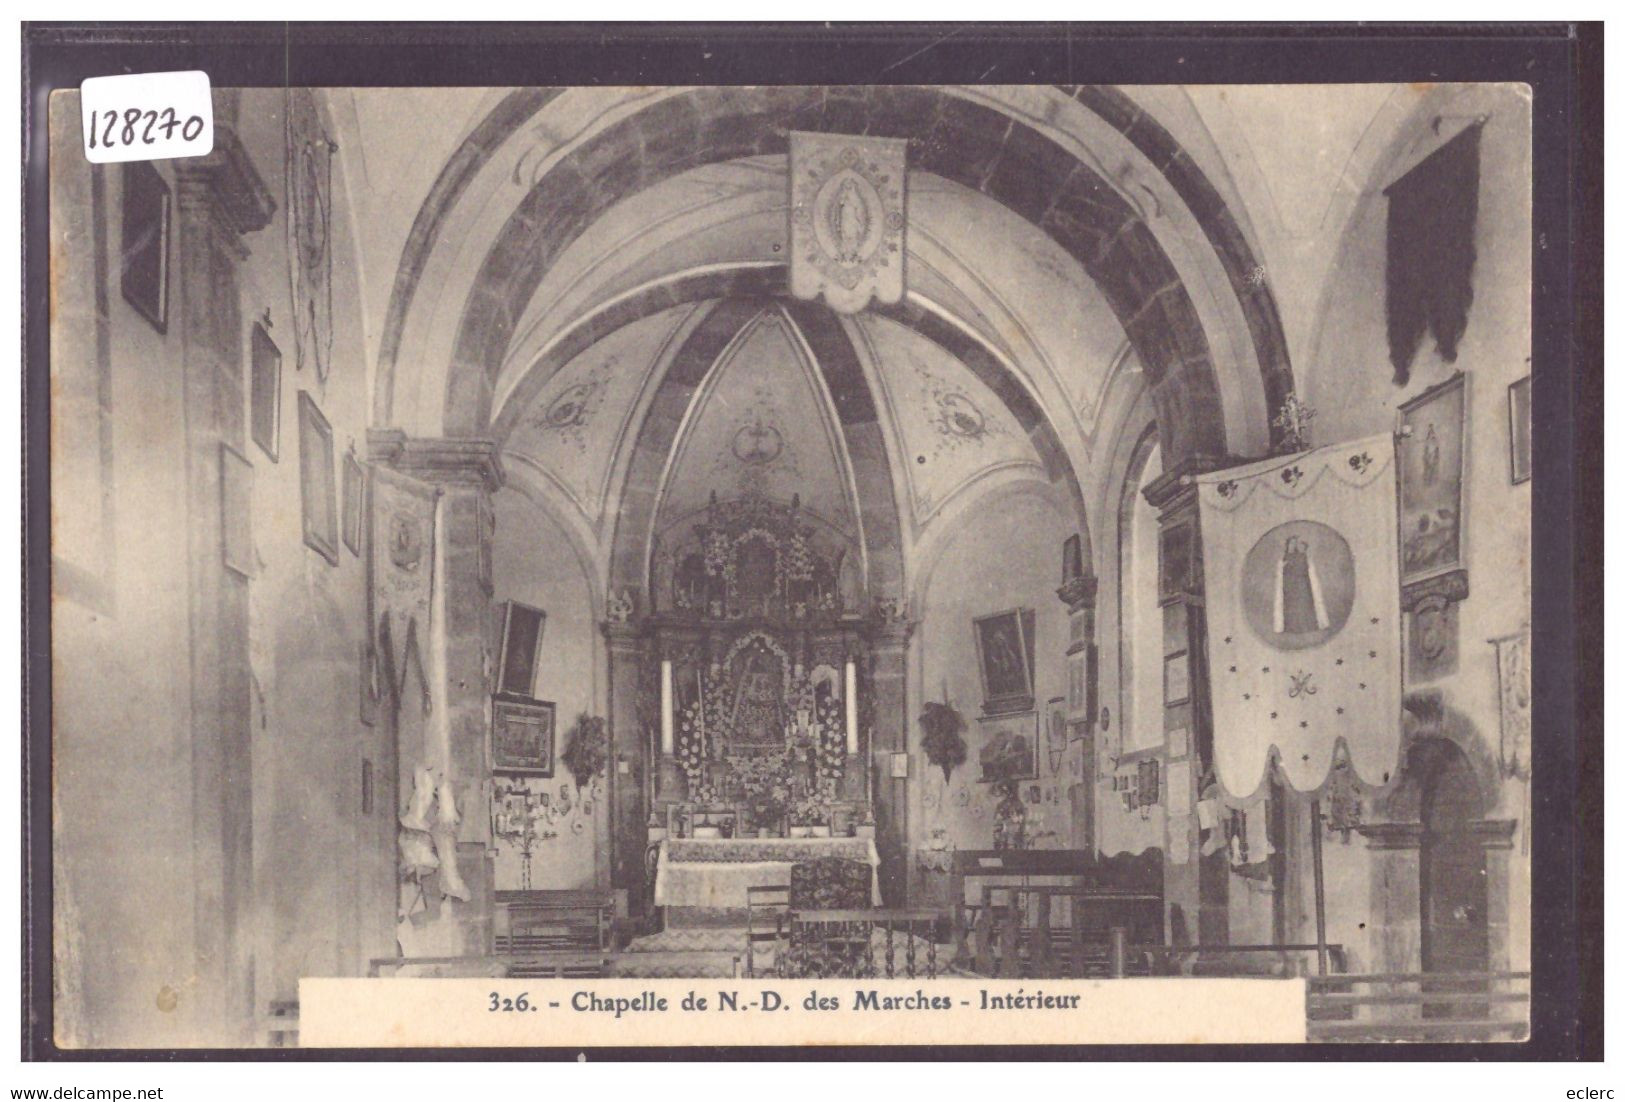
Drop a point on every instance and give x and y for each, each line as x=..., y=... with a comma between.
x=759, y=608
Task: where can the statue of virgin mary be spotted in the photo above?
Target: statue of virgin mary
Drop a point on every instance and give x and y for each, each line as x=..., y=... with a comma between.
x=1299, y=607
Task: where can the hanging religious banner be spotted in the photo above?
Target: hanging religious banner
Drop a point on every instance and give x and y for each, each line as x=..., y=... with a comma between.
x=847, y=219
x=1512, y=666
x=1301, y=562
x=403, y=517
x=308, y=169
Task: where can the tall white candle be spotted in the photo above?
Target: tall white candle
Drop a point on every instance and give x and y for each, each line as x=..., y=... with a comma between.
x=668, y=726
x=851, y=707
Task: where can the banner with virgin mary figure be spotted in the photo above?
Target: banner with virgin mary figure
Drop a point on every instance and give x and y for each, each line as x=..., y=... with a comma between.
x=1301, y=563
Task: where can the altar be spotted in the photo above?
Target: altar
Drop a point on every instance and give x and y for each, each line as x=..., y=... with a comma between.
x=714, y=873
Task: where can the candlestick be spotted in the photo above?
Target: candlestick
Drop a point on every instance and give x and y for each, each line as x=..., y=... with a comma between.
x=668, y=726
x=851, y=707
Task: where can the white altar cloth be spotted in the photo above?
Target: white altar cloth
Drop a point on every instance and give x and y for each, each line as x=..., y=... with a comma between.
x=714, y=872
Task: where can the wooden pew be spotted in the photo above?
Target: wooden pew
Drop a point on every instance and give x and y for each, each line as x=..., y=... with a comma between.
x=993, y=873
x=554, y=921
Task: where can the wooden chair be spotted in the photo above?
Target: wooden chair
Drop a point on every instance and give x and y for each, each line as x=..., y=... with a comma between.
x=827, y=948
x=766, y=909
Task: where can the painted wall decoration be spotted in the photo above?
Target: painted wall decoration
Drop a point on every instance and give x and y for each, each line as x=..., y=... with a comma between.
x=568, y=412
x=1004, y=652
x=309, y=175
x=1432, y=644
x=847, y=219
x=1009, y=750
x=144, y=258
x=1056, y=733
x=317, y=492
x=1432, y=460
x=522, y=736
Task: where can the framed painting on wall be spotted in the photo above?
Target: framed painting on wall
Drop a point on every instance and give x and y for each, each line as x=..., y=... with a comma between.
x=1432, y=463
x=144, y=252
x=522, y=732
x=522, y=628
x=355, y=490
x=320, y=512
x=265, y=390
x=1173, y=563
x=1519, y=423
x=1009, y=749
x=236, y=511
x=1176, y=678
x=1004, y=654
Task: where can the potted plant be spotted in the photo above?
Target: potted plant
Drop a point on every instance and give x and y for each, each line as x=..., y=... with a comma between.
x=588, y=751
x=944, y=742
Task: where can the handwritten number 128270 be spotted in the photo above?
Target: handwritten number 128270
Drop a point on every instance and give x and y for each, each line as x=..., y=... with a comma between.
x=113, y=128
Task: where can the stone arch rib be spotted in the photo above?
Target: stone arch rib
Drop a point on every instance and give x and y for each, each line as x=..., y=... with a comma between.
x=971, y=144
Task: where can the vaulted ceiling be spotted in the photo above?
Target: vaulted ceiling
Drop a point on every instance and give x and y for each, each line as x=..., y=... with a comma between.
x=570, y=249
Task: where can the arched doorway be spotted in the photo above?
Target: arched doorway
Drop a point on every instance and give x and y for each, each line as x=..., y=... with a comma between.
x=1454, y=869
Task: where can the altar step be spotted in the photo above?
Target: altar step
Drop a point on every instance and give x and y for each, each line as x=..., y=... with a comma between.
x=700, y=951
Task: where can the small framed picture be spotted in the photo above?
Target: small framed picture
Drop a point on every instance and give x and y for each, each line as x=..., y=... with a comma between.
x=144, y=255
x=1009, y=749
x=522, y=630
x=1519, y=416
x=265, y=390
x=1432, y=469
x=1176, y=678
x=1004, y=649
x=355, y=490
x=522, y=736
x=1173, y=563
x=236, y=511
x=319, y=507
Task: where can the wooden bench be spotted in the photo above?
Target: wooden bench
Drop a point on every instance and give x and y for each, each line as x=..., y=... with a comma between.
x=552, y=921
x=991, y=874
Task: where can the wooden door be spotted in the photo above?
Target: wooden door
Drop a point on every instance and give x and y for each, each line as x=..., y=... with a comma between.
x=1455, y=899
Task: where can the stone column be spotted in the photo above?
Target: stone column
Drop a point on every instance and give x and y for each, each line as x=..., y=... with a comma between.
x=219, y=199
x=467, y=471
x=889, y=732
x=1200, y=887
x=623, y=852
x=1396, y=895
x=1078, y=594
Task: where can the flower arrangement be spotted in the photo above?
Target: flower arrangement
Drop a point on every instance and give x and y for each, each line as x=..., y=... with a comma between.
x=588, y=751
x=764, y=781
x=944, y=744
x=796, y=559
x=829, y=751
x=811, y=808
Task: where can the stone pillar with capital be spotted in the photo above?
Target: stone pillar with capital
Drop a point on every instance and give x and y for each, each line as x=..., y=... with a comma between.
x=888, y=730
x=622, y=858
x=466, y=471
x=1200, y=885
x=220, y=202
x=1078, y=592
